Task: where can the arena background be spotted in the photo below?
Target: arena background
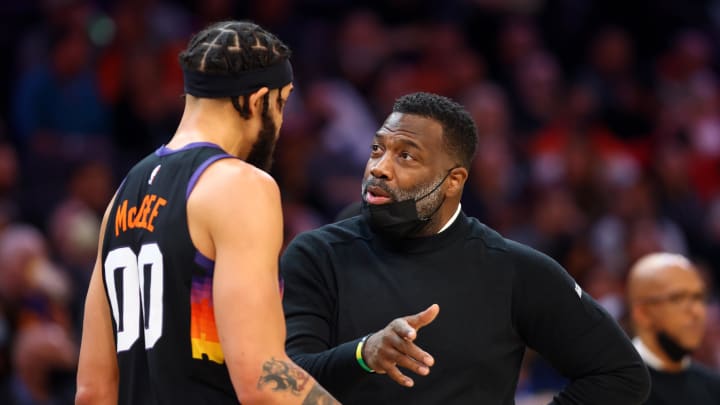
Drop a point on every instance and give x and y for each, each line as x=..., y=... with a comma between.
x=599, y=126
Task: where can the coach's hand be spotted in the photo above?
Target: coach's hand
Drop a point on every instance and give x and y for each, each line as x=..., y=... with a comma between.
x=393, y=347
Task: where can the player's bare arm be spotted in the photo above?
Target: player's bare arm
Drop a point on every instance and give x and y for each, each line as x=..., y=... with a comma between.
x=242, y=232
x=97, y=376
x=279, y=375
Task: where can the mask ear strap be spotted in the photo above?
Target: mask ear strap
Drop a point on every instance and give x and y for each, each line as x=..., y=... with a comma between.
x=438, y=185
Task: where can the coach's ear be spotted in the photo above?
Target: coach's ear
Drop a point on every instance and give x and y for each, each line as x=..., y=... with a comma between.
x=456, y=181
x=256, y=101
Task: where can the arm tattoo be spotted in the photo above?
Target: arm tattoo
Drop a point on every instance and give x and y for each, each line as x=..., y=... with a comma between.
x=318, y=396
x=283, y=376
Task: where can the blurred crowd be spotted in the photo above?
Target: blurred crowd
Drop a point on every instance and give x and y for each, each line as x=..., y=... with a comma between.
x=599, y=126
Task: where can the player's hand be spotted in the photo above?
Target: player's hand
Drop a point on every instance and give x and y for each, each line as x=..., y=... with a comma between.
x=392, y=347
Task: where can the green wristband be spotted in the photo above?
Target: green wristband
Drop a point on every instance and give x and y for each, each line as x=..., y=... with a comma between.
x=358, y=355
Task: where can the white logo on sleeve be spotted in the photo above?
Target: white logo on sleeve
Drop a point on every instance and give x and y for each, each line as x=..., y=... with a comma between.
x=154, y=173
x=578, y=290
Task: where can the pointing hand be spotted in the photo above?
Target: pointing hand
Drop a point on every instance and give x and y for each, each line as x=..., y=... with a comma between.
x=392, y=347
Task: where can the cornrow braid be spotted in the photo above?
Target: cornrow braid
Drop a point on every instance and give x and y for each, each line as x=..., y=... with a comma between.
x=233, y=47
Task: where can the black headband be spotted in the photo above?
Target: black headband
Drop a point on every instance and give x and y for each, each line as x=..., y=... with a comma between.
x=209, y=85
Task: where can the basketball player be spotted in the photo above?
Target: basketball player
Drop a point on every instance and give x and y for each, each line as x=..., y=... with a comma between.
x=184, y=302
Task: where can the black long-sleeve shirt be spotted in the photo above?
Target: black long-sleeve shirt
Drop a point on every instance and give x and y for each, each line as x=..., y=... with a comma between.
x=496, y=298
x=695, y=385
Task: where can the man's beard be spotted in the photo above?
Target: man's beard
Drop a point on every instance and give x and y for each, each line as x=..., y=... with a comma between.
x=261, y=154
x=674, y=349
x=430, y=202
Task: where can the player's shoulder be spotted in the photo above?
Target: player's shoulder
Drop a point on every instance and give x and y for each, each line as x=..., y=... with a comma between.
x=238, y=170
x=234, y=178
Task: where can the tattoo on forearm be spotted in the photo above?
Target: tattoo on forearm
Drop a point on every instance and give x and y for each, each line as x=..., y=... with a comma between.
x=318, y=396
x=283, y=376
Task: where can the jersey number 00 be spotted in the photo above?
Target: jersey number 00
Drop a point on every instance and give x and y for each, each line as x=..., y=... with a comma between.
x=139, y=280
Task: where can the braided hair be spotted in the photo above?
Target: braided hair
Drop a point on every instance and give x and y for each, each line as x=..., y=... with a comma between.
x=233, y=47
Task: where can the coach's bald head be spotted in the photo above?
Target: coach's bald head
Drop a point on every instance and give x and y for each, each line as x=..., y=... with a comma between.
x=667, y=301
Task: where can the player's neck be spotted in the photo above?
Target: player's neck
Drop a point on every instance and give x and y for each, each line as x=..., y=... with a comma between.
x=216, y=122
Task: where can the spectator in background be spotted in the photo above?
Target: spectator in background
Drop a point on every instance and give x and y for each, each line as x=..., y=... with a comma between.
x=74, y=228
x=363, y=45
x=143, y=114
x=60, y=119
x=577, y=149
x=44, y=360
x=632, y=227
x=611, y=72
x=140, y=79
x=668, y=300
x=33, y=292
x=9, y=179
x=498, y=176
x=536, y=84
x=58, y=111
x=33, y=287
x=676, y=197
x=35, y=43
x=517, y=39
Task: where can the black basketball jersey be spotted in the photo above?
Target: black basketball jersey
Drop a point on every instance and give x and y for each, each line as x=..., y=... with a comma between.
x=160, y=287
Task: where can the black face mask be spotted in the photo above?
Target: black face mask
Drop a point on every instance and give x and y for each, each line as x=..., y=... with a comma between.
x=398, y=220
x=671, y=347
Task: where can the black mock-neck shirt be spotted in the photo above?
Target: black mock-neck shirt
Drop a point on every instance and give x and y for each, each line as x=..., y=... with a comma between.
x=496, y=297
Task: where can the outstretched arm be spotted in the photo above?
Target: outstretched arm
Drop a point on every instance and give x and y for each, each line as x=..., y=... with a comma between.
x=310, y=302
x=239, y=208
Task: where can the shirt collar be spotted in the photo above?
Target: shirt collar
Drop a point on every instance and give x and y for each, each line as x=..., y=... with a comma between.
x=653, y=360
x=452, y=219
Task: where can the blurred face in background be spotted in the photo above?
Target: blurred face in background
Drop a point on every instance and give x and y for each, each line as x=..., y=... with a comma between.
x=674, y=302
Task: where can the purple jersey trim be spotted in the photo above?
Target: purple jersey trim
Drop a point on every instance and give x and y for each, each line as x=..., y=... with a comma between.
x=164, y=150
x=194, y=178
x=202, y=261
x=122, y=183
